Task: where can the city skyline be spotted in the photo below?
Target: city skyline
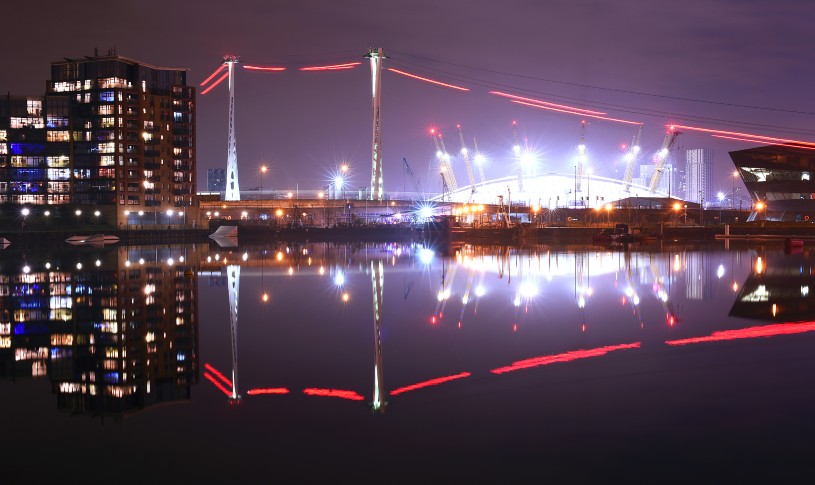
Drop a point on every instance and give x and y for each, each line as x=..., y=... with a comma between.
x=304, y=125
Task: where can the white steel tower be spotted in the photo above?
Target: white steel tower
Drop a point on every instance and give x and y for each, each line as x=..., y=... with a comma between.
x=378, y=402
x=233, y=191
x=233, y=277
x=377, y=190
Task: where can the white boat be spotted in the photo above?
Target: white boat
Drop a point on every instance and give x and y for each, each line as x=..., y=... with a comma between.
x=93, y=239
x=4, y=243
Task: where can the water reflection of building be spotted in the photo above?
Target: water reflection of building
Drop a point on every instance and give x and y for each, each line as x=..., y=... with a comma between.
x=779, y=288
x=114, y=335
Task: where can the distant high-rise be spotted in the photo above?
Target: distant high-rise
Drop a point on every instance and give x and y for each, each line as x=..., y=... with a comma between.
x=110, y=132
x=216, y=180
x=699, y=173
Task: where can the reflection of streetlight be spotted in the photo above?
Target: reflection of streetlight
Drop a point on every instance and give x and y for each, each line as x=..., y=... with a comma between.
x=25, y=212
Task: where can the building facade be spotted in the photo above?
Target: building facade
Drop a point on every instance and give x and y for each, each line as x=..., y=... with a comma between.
x=781, y=178
x=699, y=173
x=216, y=180
x=110, y=132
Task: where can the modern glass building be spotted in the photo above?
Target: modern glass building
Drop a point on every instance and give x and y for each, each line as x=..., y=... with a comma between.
x=110, y=132
x=781, y=179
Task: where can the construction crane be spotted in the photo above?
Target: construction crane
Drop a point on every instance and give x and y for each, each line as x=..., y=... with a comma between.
x=479, y=160
x=449, y=167
x=466, y=156
x=662, y=155
x=631, y=160
x=416, y=184
x=581, y=156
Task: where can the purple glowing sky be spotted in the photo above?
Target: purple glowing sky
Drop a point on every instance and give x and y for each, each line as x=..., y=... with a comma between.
x=593, y=54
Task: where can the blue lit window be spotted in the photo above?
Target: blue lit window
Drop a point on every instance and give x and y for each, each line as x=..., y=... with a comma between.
x=106, y=96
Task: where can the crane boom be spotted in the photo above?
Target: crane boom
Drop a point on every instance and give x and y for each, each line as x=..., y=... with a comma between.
x=662, y=155
x=516, y=148
x=581, y=156
x=466, y=156
x=445, y=168
x=479, y=160
x=451, y=177
x=631, y=159
x=416, y=184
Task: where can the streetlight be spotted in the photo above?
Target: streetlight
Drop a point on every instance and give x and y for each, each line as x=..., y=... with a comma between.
x=263, y=170
x=25, y=212
x=760, y=207
x=720, y=196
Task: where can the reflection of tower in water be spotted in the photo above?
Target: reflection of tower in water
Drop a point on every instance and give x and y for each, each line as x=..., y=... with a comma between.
x=377, y=281
x=233, y=274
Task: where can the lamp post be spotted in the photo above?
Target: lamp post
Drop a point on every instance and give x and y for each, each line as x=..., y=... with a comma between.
x=25, y=212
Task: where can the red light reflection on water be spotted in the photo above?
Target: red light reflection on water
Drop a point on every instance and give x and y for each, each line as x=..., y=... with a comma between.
x=267, y=390
x=564, y=357
x=218, y=384
x=313, y=391
x=428, y=383
x=750, y=332
x=220, y=376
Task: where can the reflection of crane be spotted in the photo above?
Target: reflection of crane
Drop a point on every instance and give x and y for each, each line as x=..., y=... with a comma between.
x=631, y=160
x=581, y=156
x=479, y=160
x=662, y=155
x=233, y=273
x=466, y=156
x=445, y=168
x=416, y=184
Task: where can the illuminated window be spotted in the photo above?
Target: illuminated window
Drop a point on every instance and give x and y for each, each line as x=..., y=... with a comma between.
x=58, y=136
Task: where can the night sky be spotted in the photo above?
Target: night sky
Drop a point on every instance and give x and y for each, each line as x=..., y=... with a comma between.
x=689, y=62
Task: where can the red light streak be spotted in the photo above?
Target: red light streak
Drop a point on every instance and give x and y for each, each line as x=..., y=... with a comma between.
x=217, y=384
x=546, y=103
x=752, y=140
x=215, y=371
x=575, y=113
x=221, y=68
x=564, y=357
x=268, y=390
x=220, y=79
x=428, y=383
x=427, y=80
x=313, y=391
x=749, y=135
x=264, y=68
x=750, y=332
x=335, y=67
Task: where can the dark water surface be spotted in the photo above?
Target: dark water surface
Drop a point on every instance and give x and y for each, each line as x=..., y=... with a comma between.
x=376, y=362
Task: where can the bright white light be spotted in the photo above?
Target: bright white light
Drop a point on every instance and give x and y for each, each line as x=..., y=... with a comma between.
x=78, y=265
x=78, y=212
x=805, y=290
x=141, y=260
x=170, y=261
x=528, y=289
x=636, y=149
x=581, y=148
x=439, y=154
x=629, y=292
x=169, y=212
x=25, y=212
x=517, y=300
x=426, y=255
x=339, y=182
x=98, y=263
x=480, y=291
x=720, y=271
x=26, y=269
x=47, y=265
x=245, y=256
x=426, y=212
x=720, y=196
x=663, y=153
x=97, y=213
x=527, y=158
x=465, y=299
x=339, y=278
x=517, y=150
x=46, y=213
x=464, y=151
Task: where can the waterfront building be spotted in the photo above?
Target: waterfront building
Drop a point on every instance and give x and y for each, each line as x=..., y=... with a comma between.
x=110, y=132
x=699, y=172
x=781, y=179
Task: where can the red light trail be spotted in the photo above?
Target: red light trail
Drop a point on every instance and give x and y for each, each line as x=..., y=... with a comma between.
x=217, y=384
x=751, y=332
x=267, y=390
x=547, y=103
x=264, y=68
x=220, y=79
x=428, y=383
x=564, y=357
x=334, y=67
x=427, y=80
x=575, y=112
x=215, y=371
x=748, y=135
x=214, y=73
x=313, y=391
x=752, y=140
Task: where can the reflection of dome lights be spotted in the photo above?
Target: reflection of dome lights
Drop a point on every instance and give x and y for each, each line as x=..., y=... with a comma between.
x=426, y=255
x=663, y=296
x=528, y=289
x=517, y=301
x=581, y=302
x=636, y=300
x=720, y=271
x=480, y=291
x=629, y=292
x=339, y=278
x=465, y=299
x=346, y=296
